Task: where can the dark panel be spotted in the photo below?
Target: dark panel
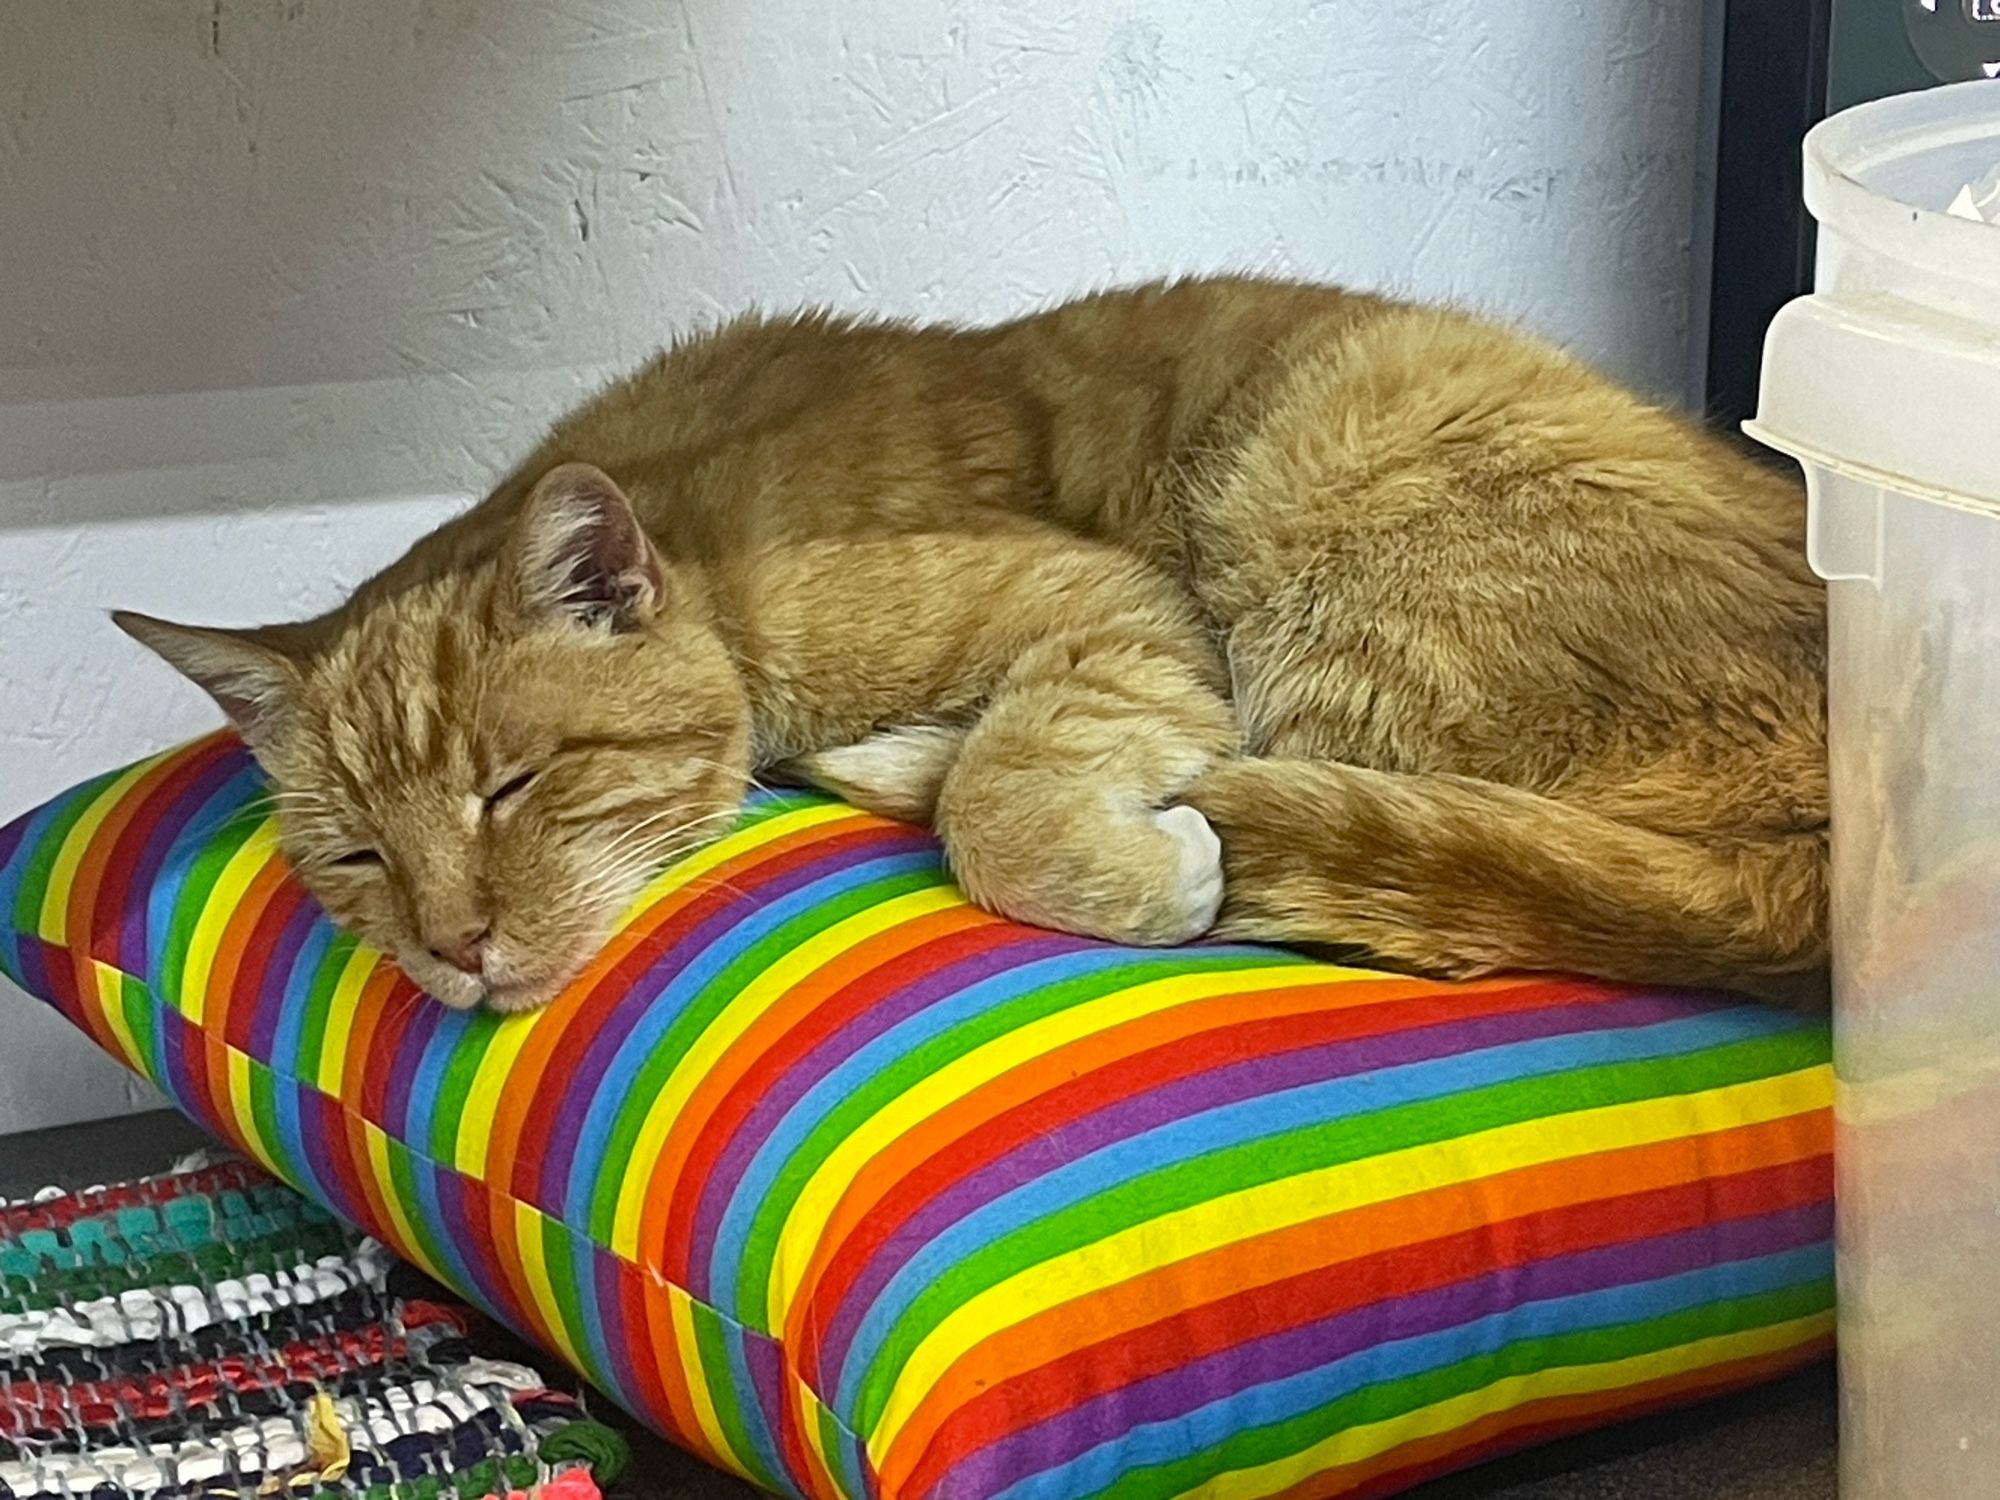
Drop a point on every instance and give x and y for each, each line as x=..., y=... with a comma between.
x=1774, y=89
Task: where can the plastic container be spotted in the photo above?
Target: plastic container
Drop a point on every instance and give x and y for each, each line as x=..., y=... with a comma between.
x=1885, y=385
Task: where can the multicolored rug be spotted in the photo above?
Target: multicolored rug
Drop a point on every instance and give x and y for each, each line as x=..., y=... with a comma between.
x=210, y=1333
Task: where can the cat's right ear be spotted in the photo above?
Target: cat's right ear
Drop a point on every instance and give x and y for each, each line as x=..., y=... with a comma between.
x=578, y=553
x=251, y=680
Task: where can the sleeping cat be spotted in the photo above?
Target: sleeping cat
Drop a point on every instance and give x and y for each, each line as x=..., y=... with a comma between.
x=1229, y=606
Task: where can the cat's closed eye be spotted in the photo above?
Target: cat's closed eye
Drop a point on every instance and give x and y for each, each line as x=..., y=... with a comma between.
x=357, y=859
x=508, y=788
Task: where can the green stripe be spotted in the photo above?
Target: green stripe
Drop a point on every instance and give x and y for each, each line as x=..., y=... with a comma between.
x=760, y=1243
x=197, y=885
x=406, y=1193
x=461, y=1067
x=1395, y=1398
x=316, y=1003
x=142, y=1019
x=1312, y=1148
x=559, y=1259
x=702, y=1009
x=33, y=888
x=711, y=1341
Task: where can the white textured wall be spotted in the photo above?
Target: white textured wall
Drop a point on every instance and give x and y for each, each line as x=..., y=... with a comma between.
x=266, y=265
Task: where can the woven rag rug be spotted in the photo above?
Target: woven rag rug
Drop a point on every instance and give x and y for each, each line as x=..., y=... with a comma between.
x=211, y=1333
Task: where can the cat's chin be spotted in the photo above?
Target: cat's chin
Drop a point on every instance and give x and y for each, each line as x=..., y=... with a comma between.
x=515, y=999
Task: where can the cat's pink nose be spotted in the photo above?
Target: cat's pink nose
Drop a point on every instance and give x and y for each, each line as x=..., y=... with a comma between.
x=465, y=951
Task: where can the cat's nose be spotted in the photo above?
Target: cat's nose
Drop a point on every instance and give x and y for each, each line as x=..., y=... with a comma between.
x=465, y=950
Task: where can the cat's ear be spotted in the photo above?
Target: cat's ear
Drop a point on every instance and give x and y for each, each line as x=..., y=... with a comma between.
x=252, y=680
x=579, y=553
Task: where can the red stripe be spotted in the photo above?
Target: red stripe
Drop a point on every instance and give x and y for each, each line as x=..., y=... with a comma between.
x=838, y=1010
x=1079, y=1375
x=552, y=1089
x=252, y=971
x=398, y=1007
x=121, y=860
x=1543, y=1421
x=230, y=969
x=940, y=1167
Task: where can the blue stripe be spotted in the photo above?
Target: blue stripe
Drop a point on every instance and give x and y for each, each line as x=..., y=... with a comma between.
x=805, y=1117
x=612, y=1092
x=1278, y=1401
x=1271, y=1117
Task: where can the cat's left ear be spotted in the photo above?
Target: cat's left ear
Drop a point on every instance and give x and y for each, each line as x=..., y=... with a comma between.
x=244, y=671
x=579, y=553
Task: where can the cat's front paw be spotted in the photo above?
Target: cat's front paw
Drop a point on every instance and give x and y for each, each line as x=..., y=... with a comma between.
x=1151, y=878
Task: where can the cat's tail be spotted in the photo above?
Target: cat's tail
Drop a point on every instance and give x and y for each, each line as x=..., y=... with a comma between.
x=1455, y=877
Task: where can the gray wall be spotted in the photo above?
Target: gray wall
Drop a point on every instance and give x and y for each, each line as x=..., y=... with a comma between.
x=279, y=282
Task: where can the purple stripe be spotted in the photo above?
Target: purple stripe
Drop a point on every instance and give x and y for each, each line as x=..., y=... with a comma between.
x=177, y=1081
x=402, y=1106
x=195, y=807
x=882, y=1014
x=765, y=1361
x=275, y=987
x=455, y=1221
x=34, y=955
x=584, y=1085
x=1260, y=1076
x=1061, y=1438
x=11, y=837
x=607, y=1318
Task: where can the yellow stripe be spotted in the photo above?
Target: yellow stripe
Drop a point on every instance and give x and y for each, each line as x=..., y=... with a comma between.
x=1359, y=1444
x=341, y=1006
x=482, y=1103
x=1269, y=1206
x=736, y=1017
x=809, y=1424
x=964, y=1076
x=528, y=1224
x=385, y=1183
x=53, y=923
x=222, y=904
x=684, y=872
x=111, y=1005
x=482, y=1099
x=695, y=1378
x=238, y=1065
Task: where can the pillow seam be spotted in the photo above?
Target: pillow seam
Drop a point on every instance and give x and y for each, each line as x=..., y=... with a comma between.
x=651, y=1273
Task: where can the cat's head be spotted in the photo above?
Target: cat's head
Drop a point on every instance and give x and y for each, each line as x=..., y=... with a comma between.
x=477, y=771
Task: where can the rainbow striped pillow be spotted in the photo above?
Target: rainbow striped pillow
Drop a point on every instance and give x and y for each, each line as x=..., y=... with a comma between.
x=858, y=1191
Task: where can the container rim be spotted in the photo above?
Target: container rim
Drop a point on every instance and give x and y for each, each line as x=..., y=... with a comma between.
x=1842, y=147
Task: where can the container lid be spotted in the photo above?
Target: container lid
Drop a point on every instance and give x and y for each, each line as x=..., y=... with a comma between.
x=1890, y=371
x=1883, y=176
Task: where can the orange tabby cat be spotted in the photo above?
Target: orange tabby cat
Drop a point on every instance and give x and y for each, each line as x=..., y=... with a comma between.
x=1267, y=610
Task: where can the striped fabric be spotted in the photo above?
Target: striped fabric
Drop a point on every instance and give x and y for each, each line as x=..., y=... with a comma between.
x=858, y=1191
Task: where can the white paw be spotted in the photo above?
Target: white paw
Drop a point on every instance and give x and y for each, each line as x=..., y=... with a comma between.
x=897, y=773
x=1197, y=895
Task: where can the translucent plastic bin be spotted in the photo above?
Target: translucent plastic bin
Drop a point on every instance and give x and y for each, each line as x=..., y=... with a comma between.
x=1885, y=384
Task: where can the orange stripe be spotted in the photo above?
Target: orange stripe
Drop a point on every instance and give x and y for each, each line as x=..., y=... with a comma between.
x=679, y=1417
x=1076, y=1060
x=89, y=876
x=380, y=1222
x=90, y=1004
x=507, y=1256
x=235, y=939
x=521, y=1101
x=1232, y=1269
x=1575, y=1412
x=766, y=1032
x=371, y=1008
